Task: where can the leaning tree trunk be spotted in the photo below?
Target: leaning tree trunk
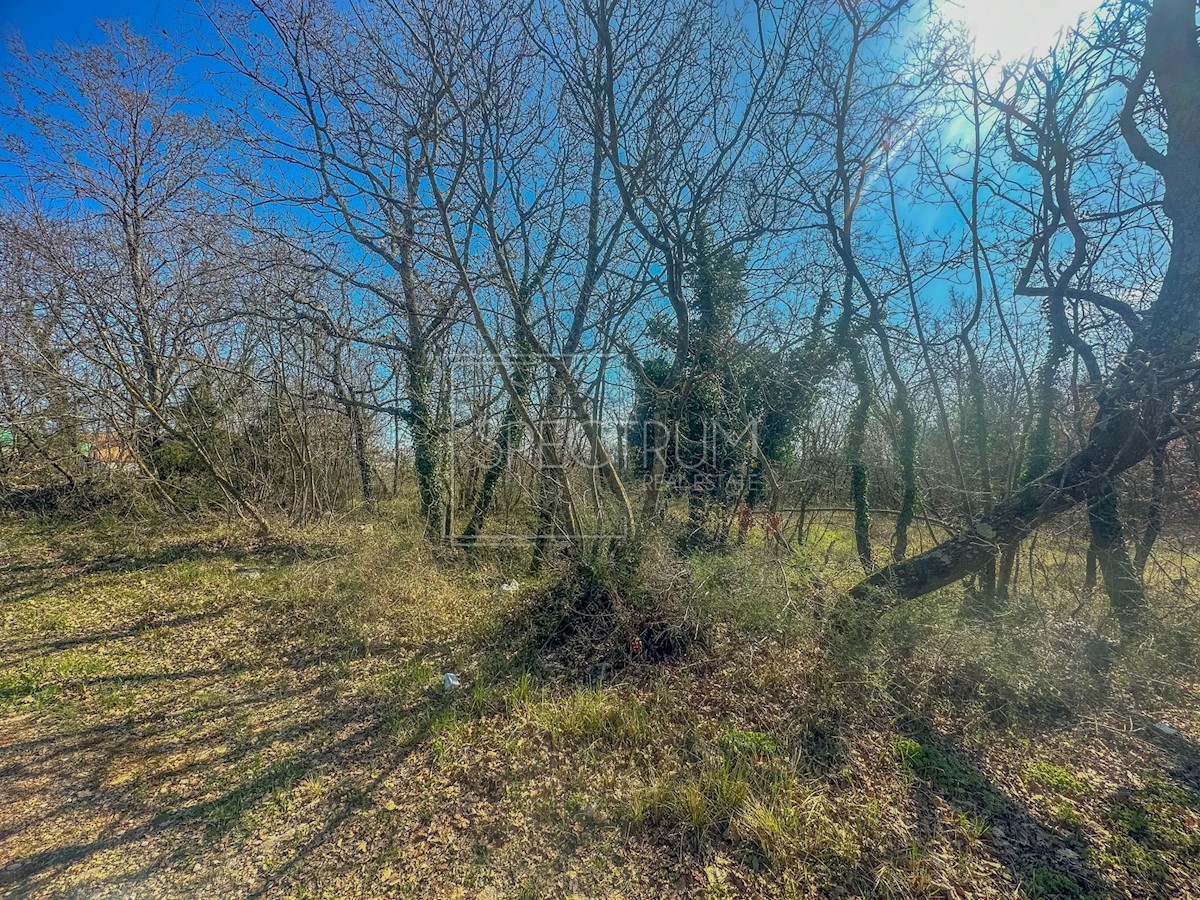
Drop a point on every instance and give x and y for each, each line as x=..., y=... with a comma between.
x=512, y=430
x=1133, y=408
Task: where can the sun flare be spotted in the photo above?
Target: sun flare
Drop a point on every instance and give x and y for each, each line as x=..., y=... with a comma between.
x=1010, y=29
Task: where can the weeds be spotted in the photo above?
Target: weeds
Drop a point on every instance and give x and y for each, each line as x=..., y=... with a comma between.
x=1057, y=779
x=744, y=790
x=589, y=716
x=299, y=720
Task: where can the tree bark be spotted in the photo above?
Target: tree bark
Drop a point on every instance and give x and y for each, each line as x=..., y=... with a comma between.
x=1154, y=514
x=856, y=439
x=1126, y=597
x=507, y=440
x=557, y=518
x=429, y=456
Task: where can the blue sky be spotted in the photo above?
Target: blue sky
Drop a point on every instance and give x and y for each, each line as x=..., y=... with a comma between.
x=42, y=22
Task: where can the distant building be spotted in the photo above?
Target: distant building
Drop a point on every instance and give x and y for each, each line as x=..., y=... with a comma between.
x=106, y=447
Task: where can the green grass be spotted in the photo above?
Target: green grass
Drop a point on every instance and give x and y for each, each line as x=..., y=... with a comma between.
x=51, y=682
x=1154, y=828
x=744, y=792
x=1067, y=814
x=590, y=716
x=400, y=683
x=1055, y=778
x=961, y=784
x=252, y=802
x=1050, y=884
x=741, y=746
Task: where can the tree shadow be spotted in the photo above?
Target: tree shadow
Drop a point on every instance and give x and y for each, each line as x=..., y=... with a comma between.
x=1152, y=826
x=48, y=576
x=1182, y=753
x=353, y=737
x=1152, y=836
x=206, y=744
x=1045, y=862
x=14, y=653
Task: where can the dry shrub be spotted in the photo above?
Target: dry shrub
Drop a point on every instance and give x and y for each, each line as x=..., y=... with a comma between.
x=621, y=603
x=54, y=501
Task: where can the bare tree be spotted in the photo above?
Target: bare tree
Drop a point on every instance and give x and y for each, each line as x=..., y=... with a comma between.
x=1137, y=407
x=128, y=235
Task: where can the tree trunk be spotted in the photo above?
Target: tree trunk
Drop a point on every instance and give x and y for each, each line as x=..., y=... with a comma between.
x=429, y=455
x=656, y=474
x=507, y=440
x=1125, y=595
x=906, y=453
x=354, y=415
x=856, y=439
x=557, y=518
x=979, y=432
x=1004, y=577
x=1154, y=514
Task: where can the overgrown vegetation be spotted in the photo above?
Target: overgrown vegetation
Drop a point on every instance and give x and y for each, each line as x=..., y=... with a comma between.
x=637, y=448
x=229, y=716
x=622, y=603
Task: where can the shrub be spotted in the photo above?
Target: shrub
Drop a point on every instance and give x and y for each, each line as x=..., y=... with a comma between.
x=622, y=603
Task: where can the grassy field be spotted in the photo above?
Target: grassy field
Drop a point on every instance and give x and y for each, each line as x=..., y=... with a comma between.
x=185, y=712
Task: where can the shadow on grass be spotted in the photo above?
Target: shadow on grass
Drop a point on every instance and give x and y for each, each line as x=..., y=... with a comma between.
x=329, y=742
x=197, y=754
x=32, y=579
x=1046, y=863
x=16, y=652
x=1152, y=835
x=1181, y=752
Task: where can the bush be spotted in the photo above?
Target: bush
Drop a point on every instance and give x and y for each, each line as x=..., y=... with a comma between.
x=61, y=500
x=621, y=603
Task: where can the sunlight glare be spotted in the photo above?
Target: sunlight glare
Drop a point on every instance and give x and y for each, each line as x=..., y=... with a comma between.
x=1010, y=29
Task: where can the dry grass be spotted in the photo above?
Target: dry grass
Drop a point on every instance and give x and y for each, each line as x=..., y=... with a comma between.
x=187, y=713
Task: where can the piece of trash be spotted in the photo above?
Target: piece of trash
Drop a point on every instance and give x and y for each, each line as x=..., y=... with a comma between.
x=1164, y=728
x=451, y=682
x=248, y=572
x=509, y=587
